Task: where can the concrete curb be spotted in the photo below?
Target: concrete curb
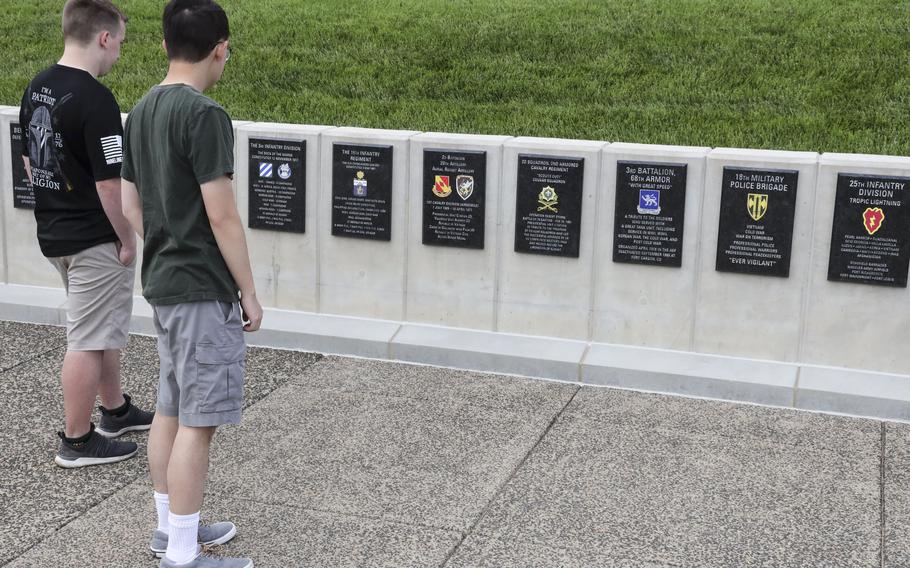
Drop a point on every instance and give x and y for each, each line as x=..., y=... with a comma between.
x=789, y=385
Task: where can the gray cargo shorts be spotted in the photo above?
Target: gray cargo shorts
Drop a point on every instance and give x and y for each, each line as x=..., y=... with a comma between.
x=203, y=360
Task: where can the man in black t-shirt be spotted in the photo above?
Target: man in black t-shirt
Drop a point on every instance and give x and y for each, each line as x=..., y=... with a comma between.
x=72, y=152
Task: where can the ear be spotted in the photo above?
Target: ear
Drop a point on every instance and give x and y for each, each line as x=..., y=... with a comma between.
x=164, y=45
x=221, y=50
x=104, y=38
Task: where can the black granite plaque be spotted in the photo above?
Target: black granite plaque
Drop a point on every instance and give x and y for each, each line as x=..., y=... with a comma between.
x=454, y=195
x=650, y=212
x=870, y=243
x=362, y=191
x=548, y=205
x=277, y=185
x=757, y=208
x=23, y=194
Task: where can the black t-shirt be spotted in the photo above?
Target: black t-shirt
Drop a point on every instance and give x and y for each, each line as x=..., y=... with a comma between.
x=72, y=137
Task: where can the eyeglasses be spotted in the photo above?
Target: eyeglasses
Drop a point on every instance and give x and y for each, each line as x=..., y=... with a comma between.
x=227, y=56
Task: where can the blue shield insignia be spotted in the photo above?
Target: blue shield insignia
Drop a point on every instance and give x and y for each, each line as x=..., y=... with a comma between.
x=649, y=202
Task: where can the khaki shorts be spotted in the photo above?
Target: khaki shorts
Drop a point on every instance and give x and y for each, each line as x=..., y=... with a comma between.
x=203, y=360
x=99, y=298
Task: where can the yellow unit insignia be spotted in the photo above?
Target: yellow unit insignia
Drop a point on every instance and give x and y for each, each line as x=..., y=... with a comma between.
x=757, y=203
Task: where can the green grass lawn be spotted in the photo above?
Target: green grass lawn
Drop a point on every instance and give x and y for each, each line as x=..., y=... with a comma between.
x=825, y=75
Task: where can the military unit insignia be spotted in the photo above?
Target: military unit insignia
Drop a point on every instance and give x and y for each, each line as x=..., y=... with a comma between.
x=548, y=200
x=360, y=185
x=757, y=204
x=284, y=171
x=649, y=202
x=873, y=219
x=441, y=188
x=265, y=169
x=464, y=185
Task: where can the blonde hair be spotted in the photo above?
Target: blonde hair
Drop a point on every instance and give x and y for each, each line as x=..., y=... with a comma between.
x=83, y=19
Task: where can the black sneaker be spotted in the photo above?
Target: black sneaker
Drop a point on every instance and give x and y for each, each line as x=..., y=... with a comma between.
x=96, y=450
x=134, y=419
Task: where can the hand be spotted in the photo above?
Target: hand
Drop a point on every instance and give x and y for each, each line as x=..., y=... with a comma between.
x=127, y=254
x=251, y=311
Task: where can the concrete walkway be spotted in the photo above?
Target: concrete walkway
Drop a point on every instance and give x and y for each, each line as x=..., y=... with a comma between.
x=344, y=462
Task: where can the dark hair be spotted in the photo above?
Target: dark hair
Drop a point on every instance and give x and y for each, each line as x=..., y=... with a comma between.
x=192, y=29
x=83, y=19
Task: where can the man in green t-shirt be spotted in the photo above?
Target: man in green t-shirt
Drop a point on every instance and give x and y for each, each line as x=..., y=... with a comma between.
x=177, y=194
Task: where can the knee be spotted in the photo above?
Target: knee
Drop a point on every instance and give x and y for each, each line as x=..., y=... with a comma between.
x=209, y=433
x=200, y=433
x=206, y=433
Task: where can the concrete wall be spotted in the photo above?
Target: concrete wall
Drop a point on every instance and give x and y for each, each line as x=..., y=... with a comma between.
x=363, y=277
x=794, y=339
x=747, y=315
x=24, y=262
x=541, y=294
x=453, y=285
x=648, y=305
x=286, y=264
x=5, y=177
x=853, y=325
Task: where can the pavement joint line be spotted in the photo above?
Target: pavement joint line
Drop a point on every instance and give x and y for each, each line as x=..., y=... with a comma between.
x=511, y=476
x=452, y=535
x=128, y=482
x=32, y=358
x=350, y=515
x=882, y=519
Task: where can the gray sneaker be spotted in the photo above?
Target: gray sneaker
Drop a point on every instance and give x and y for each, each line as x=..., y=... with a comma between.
x=135, y=419
x=96, y=450
x=209, y=535
x=203, y=560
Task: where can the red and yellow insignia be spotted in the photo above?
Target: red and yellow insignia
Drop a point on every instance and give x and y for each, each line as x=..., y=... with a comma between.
x=873, y=219
x=442, y=187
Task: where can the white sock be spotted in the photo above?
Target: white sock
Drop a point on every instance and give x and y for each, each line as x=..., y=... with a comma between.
x=162, y=504
x=182, y=542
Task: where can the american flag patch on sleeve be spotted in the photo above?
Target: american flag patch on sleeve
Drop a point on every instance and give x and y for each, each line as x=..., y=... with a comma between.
x=112, y=146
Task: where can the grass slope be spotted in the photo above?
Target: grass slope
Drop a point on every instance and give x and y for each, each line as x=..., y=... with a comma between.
x=820, y=75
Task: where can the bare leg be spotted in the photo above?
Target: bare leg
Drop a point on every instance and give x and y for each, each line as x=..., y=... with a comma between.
x=80, y=378
x=109, y=388
x=188, y=469
x=160, y=446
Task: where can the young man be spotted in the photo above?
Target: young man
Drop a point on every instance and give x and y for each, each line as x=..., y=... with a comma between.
x=178, y=163
x=72, y=153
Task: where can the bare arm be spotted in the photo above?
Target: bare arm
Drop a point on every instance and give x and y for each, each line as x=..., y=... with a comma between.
x=109, y=193
x=132, y=206
x=28, y=169
x=218, y=196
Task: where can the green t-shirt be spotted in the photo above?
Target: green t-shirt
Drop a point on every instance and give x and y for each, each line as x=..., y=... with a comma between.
x=175, y=140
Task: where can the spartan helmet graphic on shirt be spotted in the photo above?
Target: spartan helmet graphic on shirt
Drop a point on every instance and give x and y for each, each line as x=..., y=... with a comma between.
x=41, y=140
